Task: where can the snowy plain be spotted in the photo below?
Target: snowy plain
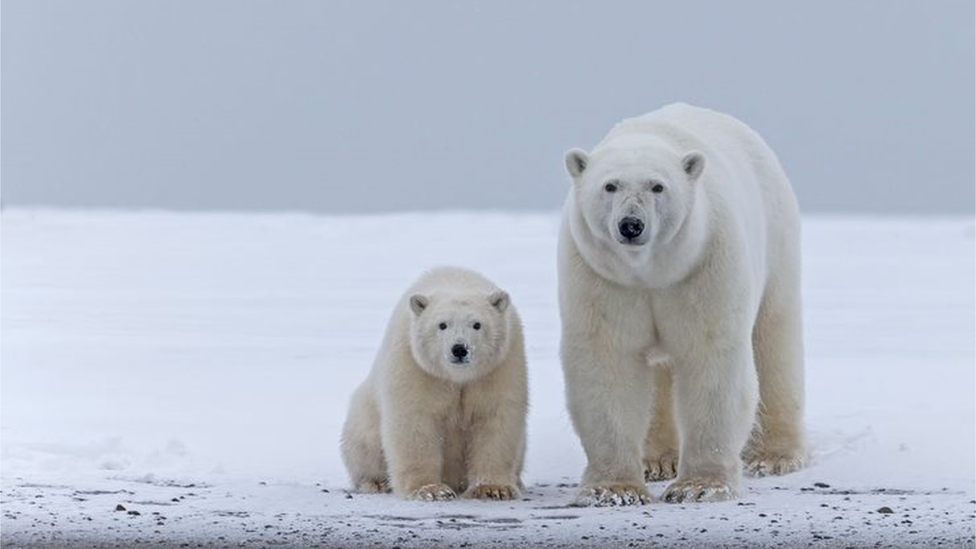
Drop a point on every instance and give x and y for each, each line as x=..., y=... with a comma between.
x=194, y=369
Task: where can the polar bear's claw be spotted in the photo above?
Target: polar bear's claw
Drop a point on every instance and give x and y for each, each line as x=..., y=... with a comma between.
x=773, y=465
x=375, y=486
x=695, y=490
x=612, y=495
x=498, y=492
x=662, y=467
x=434, y=492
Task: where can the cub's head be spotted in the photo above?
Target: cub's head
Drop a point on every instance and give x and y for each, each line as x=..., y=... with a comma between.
x=459, y=337
x=632, y=194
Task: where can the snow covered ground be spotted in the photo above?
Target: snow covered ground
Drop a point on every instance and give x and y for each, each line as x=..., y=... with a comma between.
x=194, y=369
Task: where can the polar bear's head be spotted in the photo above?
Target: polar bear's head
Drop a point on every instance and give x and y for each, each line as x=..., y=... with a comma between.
x=632, y=193
x=459, y=336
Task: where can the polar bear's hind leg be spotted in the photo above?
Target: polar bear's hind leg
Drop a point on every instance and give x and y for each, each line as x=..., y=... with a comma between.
x=661, y=444
x=362, y=448
x=777, y=444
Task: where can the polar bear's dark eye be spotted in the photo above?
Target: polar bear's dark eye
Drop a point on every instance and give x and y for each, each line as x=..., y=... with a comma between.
x=476, y=325
x=657, y=188
x=442, y=325
x=610, y=187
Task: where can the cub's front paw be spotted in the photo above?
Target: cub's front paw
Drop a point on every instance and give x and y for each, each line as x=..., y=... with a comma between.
x=766, y=464
x=698, y=489
x=493, y=491
x=661, y=467
x=611, y=495
x=433, y=492
x=374, y=486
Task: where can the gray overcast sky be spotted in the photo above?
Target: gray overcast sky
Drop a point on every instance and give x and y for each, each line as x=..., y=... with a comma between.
x=355, y=106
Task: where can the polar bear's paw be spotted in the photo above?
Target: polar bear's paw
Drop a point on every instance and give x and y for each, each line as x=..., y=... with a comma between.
x=374, y=486
x=499, y=492
x=661, y=467
x=698, y=489
x=773, y=464
x=612, y=495
x=433, y=492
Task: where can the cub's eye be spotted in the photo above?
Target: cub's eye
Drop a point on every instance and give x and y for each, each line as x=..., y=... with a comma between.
x=657, y=188
x=610, y=187
x=442, y=325
x=476, y=325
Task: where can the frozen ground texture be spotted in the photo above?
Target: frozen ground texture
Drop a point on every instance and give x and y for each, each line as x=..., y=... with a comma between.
x=195, y=369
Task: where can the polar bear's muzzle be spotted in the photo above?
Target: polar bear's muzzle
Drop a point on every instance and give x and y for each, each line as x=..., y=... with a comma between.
x=630, y=231
x=460, y=354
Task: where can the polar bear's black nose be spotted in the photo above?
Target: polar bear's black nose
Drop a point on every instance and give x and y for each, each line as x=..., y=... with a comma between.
x=459, y=351
x=630, y=227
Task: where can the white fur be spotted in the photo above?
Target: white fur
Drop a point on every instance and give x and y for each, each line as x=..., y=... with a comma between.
x=427, y=425
x=663, y=335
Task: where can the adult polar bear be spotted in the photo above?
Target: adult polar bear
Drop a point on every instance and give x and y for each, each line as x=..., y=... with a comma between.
x=679, y=281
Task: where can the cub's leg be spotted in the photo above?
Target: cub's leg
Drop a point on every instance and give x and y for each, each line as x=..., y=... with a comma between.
x=495, y=447
x=413, y=439
x=362, y=448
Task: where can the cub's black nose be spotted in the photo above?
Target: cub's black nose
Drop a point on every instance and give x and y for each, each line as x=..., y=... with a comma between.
x=630, y=227
x=459, y=351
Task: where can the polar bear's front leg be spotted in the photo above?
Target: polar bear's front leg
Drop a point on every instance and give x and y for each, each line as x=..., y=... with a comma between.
x=415, y=454
x=610, y=409
x=495, y=442
x=715, y=405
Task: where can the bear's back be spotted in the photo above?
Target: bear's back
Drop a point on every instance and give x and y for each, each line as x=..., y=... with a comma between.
x=452, y=279
x=735, y=149
x=688, y=127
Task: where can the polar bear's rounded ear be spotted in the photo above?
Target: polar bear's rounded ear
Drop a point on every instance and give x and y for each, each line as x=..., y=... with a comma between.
x=693, y=163
x=576, y=160
x=499, y=300
x=418, y=303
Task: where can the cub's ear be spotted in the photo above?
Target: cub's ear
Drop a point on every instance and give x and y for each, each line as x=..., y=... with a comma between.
x=418, y=303
x=576, y=160
x=693, y=163
x=499, y=300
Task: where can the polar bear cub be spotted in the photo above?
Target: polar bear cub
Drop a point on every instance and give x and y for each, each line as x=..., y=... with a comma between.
x=679, y=288
x=443, y=410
